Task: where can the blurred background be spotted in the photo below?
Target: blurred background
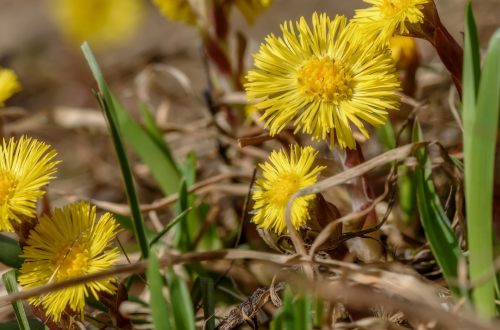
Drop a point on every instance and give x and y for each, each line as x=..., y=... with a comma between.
x=147, y=58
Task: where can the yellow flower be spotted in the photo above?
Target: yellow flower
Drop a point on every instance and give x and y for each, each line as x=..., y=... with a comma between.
x=181, y=10
x=69, y=244
x=251, y=8
x=326, y=77
x=23, y=170
x=9, y=85
x=281, y=180
x=177, y=10
x=386, y=15
x=404, y=51
x=100, y=22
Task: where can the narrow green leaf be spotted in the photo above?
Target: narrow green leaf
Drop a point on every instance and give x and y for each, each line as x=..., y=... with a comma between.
x=207, y=290
x=387, y=136
x=182, y=239
x=479, y=177
x=444, y=245
x=302, y=307
x=93, y=302
x=34, y=324
x=155, y=133
x=195, y=293
x=181, y=302
x=318, y=313
x=288, y=310
x=169, y=226
x=10, y=252
x=158, y=304
x=106, y=101
x=162, y=167
x=277, y=322
x=10, y=281
x=457, y=162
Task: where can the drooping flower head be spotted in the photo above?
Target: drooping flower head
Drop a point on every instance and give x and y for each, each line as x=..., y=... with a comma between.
x=100, y=22
x=9, y=85
x=282, y=178
x=385, y=16
x=324, y=77
x=181, y=10
x=24, y=168
x=404, y=51
x=177, y=10
x=69, y=244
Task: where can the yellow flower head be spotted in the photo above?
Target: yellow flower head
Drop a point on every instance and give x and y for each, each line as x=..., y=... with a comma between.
x=23, y=170
x=177, y=10
x=282, y=178
x=9, y=85
x=100, y=22
x=326, y=77
x=69, y=244
x=386, y=15
x=404, y=51
x=251, y=8
x=181, y=10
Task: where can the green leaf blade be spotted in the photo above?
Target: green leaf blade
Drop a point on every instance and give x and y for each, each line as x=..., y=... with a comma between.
x=479, y=175
x=108, y=105
x=10, y=252
x=442, y=240
x=10, y=280
x=158, y=303
x=181, y=302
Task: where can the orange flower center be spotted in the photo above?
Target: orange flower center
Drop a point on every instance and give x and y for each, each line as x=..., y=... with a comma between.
x=282, y=190
x=8, y=184
x=392, y=7
x=74, y=264
x=323, y=79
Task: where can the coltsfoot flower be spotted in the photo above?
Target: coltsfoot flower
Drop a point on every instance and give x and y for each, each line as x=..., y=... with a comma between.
x=69, y=244
x=181, y=10
x=384, y=17
x=9, y=85
x=325, y=76
x=100, y=22
x=282, y=178
x=23, y=170
x=177, y=10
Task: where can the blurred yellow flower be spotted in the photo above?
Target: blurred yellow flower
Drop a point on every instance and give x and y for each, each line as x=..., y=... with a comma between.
x=404, y=51
x=23, y=170
x=282, y=178
x=384, y=17
x=100, y=22
x=9, y=85
x=177, y=10
x=181, y=10
x=69, y=244
x=251, y=8
x=326, y=77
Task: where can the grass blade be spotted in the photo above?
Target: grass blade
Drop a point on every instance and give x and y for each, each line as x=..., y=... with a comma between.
x=10, y=252
x=34, y=324
x=155, y=133
x=479, y=177
x=109, y=108
x=163, y=169
x=182, y=306
x=288, y=310
x=207, y=290
x=440, y=235
x=169, y=226
x=10, y=280
x=158, y=303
